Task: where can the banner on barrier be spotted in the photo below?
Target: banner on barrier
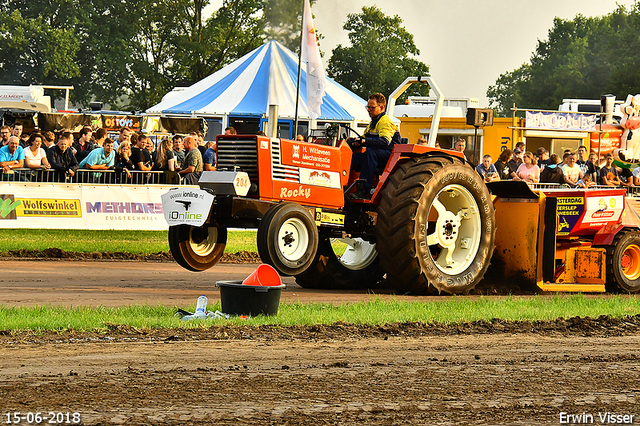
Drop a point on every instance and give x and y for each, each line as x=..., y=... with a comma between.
x=57, y=206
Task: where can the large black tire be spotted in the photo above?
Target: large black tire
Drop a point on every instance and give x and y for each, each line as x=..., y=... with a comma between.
x=623, y=263
x=358, y=267
x=197, y=249
x=288, y=238
x=435, y=227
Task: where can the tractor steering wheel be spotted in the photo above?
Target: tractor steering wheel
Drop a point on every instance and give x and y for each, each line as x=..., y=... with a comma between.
x=354, y=142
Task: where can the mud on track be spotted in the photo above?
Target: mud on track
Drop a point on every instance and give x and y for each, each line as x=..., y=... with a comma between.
x=480, y=373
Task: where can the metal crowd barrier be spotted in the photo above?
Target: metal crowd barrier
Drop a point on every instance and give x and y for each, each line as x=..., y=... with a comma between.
x=565, y=186
x=102, y=177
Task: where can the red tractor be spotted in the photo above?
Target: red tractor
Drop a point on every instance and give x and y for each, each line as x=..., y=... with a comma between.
x=430, y=225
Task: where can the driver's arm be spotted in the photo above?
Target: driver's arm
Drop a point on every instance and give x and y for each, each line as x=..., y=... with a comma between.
x=381, y=134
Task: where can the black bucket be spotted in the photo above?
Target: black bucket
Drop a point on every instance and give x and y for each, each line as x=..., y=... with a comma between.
x=239, y=299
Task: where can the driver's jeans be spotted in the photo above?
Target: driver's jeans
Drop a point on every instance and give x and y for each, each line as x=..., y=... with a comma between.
x=367, y=162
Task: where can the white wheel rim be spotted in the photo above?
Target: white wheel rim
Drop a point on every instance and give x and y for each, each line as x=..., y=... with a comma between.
x=456, y=238
x=293, y=239
x=205, y=247
x=358, y=255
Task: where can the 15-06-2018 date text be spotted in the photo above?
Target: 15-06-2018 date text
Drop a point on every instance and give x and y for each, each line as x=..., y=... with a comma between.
x=35, y=418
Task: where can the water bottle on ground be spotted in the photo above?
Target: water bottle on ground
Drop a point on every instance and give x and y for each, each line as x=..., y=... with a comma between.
x=201, y=307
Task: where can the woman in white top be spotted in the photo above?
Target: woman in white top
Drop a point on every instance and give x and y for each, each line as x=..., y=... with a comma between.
x=35, y=157
x=529, y=170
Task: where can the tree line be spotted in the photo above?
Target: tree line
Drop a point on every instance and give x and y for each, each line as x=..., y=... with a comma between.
x=129, y=54
x=584, y=57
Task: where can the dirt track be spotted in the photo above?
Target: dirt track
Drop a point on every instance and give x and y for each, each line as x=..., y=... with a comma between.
x=477, y=374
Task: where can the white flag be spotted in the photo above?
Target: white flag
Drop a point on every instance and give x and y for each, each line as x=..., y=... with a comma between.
x=311, y=55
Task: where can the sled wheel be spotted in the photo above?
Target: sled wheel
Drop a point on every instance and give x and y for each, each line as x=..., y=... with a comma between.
x=197, y=248
x=288, y=238
x=357, y=267
x=435, y=227
x=623, y=264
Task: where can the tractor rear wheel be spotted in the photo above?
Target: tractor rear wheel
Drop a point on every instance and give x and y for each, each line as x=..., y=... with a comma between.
x=623, y=263
x=197, y=248
x=435, y=226
x=357, y=267
x=288, y=238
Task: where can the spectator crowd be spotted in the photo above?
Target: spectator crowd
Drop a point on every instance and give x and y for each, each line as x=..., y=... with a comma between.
x=575, y=169
x=131, y=158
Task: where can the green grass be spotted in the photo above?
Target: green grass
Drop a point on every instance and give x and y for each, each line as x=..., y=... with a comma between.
x=139, y=242
x=377, y=311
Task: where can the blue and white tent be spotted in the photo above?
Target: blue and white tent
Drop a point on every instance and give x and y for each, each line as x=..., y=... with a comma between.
x=247, y=87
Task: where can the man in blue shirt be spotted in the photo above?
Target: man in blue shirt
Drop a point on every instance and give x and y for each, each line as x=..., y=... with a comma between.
x=100, y=158
x=11, y=157
x=487, y=170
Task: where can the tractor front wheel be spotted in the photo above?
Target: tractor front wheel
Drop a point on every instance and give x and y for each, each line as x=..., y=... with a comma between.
x=197, y=248
x=288, y=238
x=623, y=272
x=435, y=226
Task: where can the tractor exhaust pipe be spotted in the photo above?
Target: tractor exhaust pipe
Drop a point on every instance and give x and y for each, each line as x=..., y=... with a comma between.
x=272, y=122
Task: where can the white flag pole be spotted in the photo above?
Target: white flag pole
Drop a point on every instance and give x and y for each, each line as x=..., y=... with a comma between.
x=316, y=81
x=295, y=121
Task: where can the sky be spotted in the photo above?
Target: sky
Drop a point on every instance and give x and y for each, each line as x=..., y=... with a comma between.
x=467, y=44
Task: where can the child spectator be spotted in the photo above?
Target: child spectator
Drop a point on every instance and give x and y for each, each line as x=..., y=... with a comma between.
x=572, y=174
x=529, y=171
x=588, y=183
x=487, y=170
x=608, y=173
x=552, y=173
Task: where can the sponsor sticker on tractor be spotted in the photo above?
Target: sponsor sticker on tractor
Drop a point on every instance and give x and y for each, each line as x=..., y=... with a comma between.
x=320, y=178
x=606, y=208
x=309, y=155
x=569, y=211
x=186, y=206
